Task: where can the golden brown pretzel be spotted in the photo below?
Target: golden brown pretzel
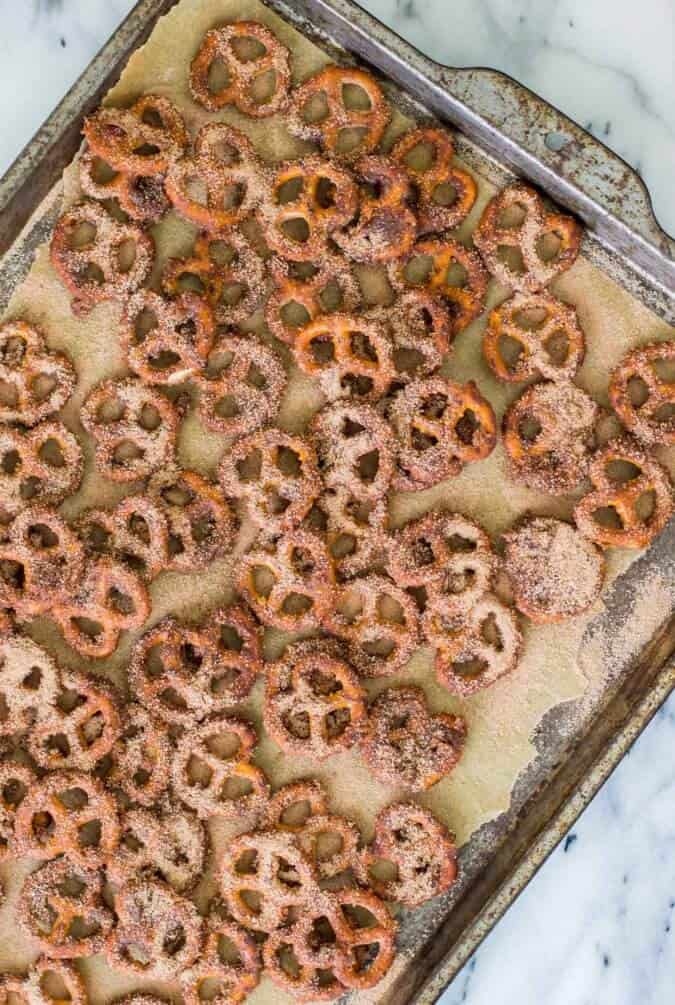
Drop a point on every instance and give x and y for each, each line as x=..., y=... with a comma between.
x=354, y=968
x=384, y=227
x=550, y=341
x=421, y=331
x=356, y=447
x=38, y=467
x=166, y=341
x=141, y=140
x=357, y=530
x=35, y=382
x=135, y=532
x=308, y=292
x=201, y=522
x=141, y=197
x=140, y=758
x=349, y=356
x=653, y=419
x=433, y=214
x=230, y=979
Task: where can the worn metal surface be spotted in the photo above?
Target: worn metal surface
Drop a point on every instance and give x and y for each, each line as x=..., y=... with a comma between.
x=504, y=128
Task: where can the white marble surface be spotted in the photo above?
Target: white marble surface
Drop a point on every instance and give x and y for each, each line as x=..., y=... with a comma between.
x=594, y=927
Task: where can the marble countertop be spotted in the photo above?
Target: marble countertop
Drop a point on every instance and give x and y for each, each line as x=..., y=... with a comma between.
x=594, y=926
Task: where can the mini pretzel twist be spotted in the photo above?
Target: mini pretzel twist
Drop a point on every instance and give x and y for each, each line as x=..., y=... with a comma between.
x=538, y=344
x=92, y=270
x=433, y=215
x=251, y=385
x=142, y=140
x=133, y=426
x=135, y=533
x=525, y=236
x=441, y=426
x=465, y=294
x=201, y=522
x=330, y=130
x=285, y=964
x=353, y=935
x=314, y=705
x=39, y=466
x=357, y=530
x=141, y=197
x=166, y=341
x=630, y=528
x=421, y=331
x=308, y=293
x=356, y=448
x=349, y=356
x=140, y=758
x=242, y=74
x=653, y=419
x=384, y=227
x=233, y=186
x=229, y=272
x=169, y=844
x=235, y=633
x=234, y=980
x=35, y=381
x=16, y=781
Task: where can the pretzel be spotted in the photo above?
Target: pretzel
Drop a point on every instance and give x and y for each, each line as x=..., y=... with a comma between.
x=34, y=382
x=384, y=227
x=39, y=466
x=16, y=781
x=232, y=183
x=270, y=866
x=298, y=590
x=295, y=194
x=141, y=197
x=539, y=324
x=134, y=428
x=227, y=272
x=381, y=640
x=141, y=140
x=92, y=268
x=242, y=74
x=170, y=845
x=235, y=788
x=314, y=705
x=53, y=817
x=282, y=482
x=356, y=448
x=309, y=293
x=348, y=356
x=422, y=849
x=525, y=236
x=135, y=533
x=448, y=556
x=653, y=419
x=300, y=808
x=228, y=980
x=110, y=600
x=420, y=327
x=140, y=758
x=630, y=527
x=304, y=982
x=29, y=684
x=180, y=676
x=158, y=933
x=406, y=745
x=428, y=181
x=79, y=729
x=476, y=650
x=165, y=341
x=465, y=295
x=201, y=522
x=441, y=426
x=41, y=562
x=554, y=572
x=357, y=531
x=236, y=635
x=34, y=988
x=62, y=908
x=548, y=435
x=340, y=120
x=247, y=392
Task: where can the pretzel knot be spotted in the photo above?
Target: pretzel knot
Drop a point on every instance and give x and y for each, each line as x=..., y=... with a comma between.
x=34, y=382
x=419, y=846
x=135, y=533
x=246, y=392
x=421, y=331
x=314, y=705
x=133, y=426
x=384, y=226
x=515, y=220
x=441, y=426
x=548, y=435
x=228, y=785
x=90, y=251
x=453, y=272
x=349, y=356
x=651, y=415
x=166, y=342
x=340, y=123
x=233, y=977
x=298, y=298
x=246, y=77
x=627, y=507
x=357, y=530
x=16, y=781
x=356, y=448
x=142, y=140
x=169, y=843
x=226, y=168
x=406, y=745
x=140, y=758
x=201, y=522
x=38, y=467
x=141, y=197
x=431, y=181
x=227, y=271
x=109, y=600
x=34, y=988
x=541, y=332
x=292, y=586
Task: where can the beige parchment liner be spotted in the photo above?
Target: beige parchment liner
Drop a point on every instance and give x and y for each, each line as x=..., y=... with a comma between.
x=501, y=720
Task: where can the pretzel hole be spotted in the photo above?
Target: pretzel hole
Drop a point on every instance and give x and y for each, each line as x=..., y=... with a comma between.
x=512, y=259
x=13, y=793
x=468, y=427
x=608, y=517
x=87, y=628
x=529, y=429
x=296, y=604
x=322, y=349
x=421, y=157
x=383, y=871
x=11, y=462
x=470, y=669
x=548, y=246
x=638, y=391
x=368, y=465
x=421, y=441
x=89, y=834
x=287, y=961
x=126, y=255
x=91, y=273
x=355, y=98
x=558, y=348
x=9, y=395
x=621, y=471
x=664, y=369
x=41, y=386
x=645, y=506
x=196, y=189
x=512, y=216
x=531, y=318
x=82, y=235
x=199, y=774
x=277, y=503
x=110, y=410
x=190, y=282
x=13, y=574
x=665, y=413
x=263, y=87
x=288, y=462
x=41, y=537
x=315, y=109
x=458, y=582
x=250, y=467
x=349, y=139
x=81, y=928
x=409, y=361
x=296, y=229
x=56, y=746
x=235, y=788
x=218, y=77
x=325, y=193
x=342, y=545
x=101, y=173
x=491, y=633
x=53, y=987
x=42, y=826
x=381, y=648
x=350, y=606
x=225, y=681
x=146, y=150
x=232, y=293
x=293, y=314
x=417, y=271
x=445, y=194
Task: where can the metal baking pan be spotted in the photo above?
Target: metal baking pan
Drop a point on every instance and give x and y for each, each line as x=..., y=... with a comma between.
x=503, y=129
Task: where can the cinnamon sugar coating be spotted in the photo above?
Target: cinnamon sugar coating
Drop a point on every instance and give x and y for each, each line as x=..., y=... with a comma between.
x=35, y=381
x=544, y=335
x=430, y=180
x=38, y=466
x=651, y=417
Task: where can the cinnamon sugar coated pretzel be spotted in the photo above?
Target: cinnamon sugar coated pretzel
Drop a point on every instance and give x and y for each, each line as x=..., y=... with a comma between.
x=308, y=293
x=141, y=140
x=166, y=341
x=38, y=466
x=384, y=228
x=549, y=341
x=200, y=521
x=35, y=382
x=348, y=356
x=232, y=979
x=246, y=393
x=429, y=180
x=652, y=416
x=141, y=197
